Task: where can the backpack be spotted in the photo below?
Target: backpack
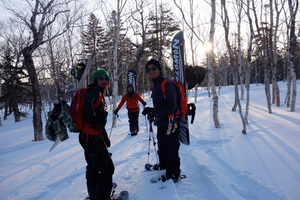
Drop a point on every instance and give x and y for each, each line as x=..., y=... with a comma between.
x=181, y=97
x=76, y=108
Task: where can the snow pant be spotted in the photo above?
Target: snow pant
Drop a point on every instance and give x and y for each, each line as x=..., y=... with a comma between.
x=168, y=148
x=100, y=167
x=133, y=121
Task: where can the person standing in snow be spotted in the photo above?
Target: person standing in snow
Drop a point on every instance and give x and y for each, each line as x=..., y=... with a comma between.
x=132, y=106
x=100, y=167
x=165, y=106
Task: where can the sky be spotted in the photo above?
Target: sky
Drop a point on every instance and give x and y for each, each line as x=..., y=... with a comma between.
x=219, y=163
x=92, y=5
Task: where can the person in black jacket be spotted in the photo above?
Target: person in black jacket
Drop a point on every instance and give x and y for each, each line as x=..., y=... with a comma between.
x=165, y=107
x=94, y=140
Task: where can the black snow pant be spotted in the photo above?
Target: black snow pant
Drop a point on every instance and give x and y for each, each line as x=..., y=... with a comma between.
x=168, y=149
x=100, y=167
x=133, y=121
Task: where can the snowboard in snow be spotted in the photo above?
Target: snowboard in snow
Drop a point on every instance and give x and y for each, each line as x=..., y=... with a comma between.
x=180, y=76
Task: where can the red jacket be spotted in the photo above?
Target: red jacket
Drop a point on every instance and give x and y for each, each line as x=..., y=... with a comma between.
x=132, y=102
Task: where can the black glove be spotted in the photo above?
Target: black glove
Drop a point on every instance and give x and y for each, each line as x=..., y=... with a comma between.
x=107, y=142
x=144, y=103
x=116, y=111
x=148, y=110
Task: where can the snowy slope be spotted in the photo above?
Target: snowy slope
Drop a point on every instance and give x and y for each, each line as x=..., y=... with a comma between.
x=219, y=164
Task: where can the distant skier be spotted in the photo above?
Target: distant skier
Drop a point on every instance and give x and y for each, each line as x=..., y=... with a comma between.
x=165, y=106
x=95, y=141
x=132, y=106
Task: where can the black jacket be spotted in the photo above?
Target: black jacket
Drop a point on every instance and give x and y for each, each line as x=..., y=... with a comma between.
x=164, y=105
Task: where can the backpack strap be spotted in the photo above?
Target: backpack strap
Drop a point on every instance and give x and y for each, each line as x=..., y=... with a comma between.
x=86, y=129
x=163, y=86
x=98, y=101
x=177, y=114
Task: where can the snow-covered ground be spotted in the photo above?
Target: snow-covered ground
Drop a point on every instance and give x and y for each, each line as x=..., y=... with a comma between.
x=219, y=163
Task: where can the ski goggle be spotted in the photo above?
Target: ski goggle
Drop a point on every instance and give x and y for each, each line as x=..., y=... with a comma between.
x=101, y=78
x=153, y=68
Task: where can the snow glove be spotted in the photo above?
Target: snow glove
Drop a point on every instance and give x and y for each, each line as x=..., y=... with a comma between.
x=144, y=103
x=148, y=110
x=116, y=111
x=172, y=125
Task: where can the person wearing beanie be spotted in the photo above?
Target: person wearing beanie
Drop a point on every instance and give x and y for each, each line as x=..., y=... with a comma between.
x=100, y=72
x=100, y=167
x=155, y=63
x=164, y=109
x=132, y=98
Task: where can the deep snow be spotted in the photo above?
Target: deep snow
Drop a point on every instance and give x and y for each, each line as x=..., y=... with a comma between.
x=219, y=163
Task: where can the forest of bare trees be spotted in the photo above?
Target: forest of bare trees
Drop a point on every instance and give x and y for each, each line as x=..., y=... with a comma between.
x=250, y=42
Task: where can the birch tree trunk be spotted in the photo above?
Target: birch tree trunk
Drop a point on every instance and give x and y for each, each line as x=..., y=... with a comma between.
x=275, y=54
x=248, y=68
x=241, y=71
x=116, y=34
x=275, y=88
x=292, y=50
x=211, y=75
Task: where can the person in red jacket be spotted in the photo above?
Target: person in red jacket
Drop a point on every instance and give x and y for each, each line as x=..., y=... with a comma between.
x=132, y=99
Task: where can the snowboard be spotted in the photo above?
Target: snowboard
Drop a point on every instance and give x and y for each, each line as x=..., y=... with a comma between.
x=131, y=79
x=180, y=76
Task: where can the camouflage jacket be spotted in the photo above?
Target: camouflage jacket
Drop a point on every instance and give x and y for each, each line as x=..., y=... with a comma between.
x=58, y=119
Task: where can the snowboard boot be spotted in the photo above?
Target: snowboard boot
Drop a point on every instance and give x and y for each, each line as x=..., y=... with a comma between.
x=156, y=167
x=166, y=177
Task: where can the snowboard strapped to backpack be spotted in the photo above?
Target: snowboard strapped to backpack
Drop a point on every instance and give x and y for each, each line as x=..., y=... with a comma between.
x=76, y=107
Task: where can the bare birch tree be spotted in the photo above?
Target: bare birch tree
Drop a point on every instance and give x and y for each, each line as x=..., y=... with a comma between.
x=261, y=35
x=210, y=57
x=141, y=19
x=278, y=9
x=42, y=15
x=248, y=65
x=115, y=23
x=293, y=8
x=225, y=20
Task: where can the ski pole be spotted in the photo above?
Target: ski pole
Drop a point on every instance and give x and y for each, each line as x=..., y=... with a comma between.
x=149, y=140
x=112, y=125
x=156, y=154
